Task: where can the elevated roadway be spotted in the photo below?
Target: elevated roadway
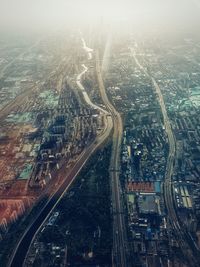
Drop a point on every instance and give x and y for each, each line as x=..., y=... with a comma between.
x=22, y=247
x=187, y=245
x=119, y=229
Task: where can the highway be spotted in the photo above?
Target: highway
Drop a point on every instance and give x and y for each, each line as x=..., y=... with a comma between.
x=189, y=250
x=119, y=230
x=22, y=247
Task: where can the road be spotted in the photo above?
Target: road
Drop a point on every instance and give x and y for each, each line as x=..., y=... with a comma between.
x=187, y=245
x=119, y=229
x=29, y=235
x=35, y=227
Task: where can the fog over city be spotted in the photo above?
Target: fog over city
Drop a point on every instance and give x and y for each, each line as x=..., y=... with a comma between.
x=39, y=14
x=100, y=133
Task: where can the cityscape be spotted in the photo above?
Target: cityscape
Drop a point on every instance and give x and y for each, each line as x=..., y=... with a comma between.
x=100, y=133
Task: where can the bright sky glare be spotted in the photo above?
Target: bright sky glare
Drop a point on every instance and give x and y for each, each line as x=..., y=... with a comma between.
x=60, y=12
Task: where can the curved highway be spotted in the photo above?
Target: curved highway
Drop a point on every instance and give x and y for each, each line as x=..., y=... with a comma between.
x=119, y=229
x=26, y=240
x=182, y=236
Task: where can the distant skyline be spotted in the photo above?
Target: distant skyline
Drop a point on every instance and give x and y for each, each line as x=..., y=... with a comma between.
x=46, y=13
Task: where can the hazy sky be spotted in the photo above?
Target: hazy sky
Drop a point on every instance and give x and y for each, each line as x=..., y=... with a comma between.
x=39, y=13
